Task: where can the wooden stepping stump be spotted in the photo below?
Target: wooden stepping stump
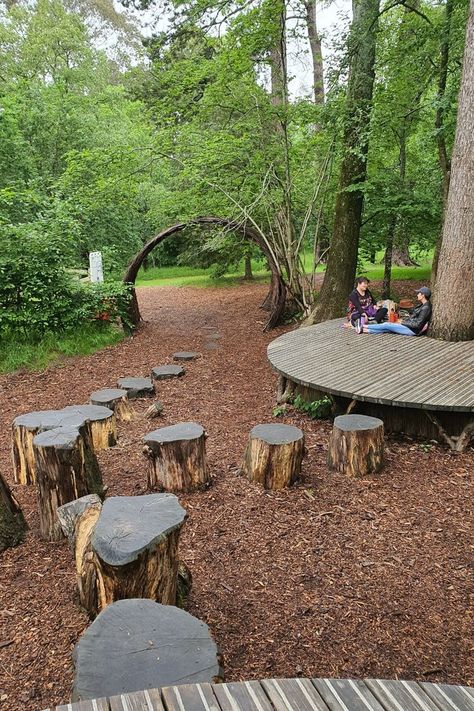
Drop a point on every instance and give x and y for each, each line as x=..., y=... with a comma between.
x=140, y=644
x=356, y=445
x=133, y=549
x=136, y=387
x=164, y=372
x=66, y=467
x=12, y=522
x=186, y=355
x=115, y=399
x=177, y=456
x=99, y=421
x=273, y=456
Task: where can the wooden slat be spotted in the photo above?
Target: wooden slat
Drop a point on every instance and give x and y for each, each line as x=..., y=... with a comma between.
x=293, y=695
x=401, y=695
x=450, y=698
x=242, y=696
x=189, y=697
x=148, y=700
x=89, y=705
x=348, y=694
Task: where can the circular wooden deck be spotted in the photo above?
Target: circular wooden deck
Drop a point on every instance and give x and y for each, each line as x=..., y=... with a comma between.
x=386, y=369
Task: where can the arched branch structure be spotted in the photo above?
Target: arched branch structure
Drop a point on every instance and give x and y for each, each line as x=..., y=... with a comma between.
x=275, y=301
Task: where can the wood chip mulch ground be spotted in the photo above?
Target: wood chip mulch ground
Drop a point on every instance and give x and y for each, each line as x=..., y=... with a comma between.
x=333, y=577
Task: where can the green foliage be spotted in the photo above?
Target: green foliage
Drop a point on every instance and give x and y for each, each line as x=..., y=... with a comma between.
x=317, y=409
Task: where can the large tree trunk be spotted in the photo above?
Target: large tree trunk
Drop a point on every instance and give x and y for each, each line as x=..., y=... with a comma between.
x=12, y=522
x=342, y=261
x=453, y=304
x=316, y=52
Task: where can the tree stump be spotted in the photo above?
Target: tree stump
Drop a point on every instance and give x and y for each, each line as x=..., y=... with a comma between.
x=69, y=515
x=273, y=456
x=66, y=468
x=154, y=410
x=133, y=551
x=115, y=399
x=164, y=372
x=186, y=355
x=356, y=445
x=99, y=421
x=177, y=457
x=136, y=387
x=12, y=522
x=140, y=644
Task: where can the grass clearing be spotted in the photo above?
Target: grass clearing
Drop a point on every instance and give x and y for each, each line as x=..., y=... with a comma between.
x=20, y=353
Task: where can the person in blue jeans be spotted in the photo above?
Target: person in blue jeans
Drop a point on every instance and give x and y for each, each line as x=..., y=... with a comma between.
x=413, y=325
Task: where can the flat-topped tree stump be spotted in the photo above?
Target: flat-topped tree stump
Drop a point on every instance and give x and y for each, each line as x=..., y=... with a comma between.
x=136, y=387
x=12, y=522
x=66, y=468
x=99, y=422
x=140, y=644
x=186, y=355
x=134, y=549
x=177, y=457
x=273, y=456
x=115, y=399
x=356, y=445
x=164, y=372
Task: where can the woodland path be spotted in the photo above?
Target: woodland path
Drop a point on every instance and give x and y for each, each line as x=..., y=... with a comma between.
x=331, y=578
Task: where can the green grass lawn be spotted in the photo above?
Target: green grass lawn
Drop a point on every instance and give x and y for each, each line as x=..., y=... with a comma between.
x=189, y=276
x=16, y=353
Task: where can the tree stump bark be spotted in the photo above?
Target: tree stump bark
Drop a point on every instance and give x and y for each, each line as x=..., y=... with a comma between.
x=177, y=457
x=356, y=445
x=66, y=468
x=131, y=551
x=273, y=456
x=12, y=522
x=137, y=387
x=99, y=421
x=115, y=399
x=139, y=644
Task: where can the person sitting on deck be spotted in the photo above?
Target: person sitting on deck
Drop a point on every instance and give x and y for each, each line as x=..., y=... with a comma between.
x=413, y=325
x=362, y=304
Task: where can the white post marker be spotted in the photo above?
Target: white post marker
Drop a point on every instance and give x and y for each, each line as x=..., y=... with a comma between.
x=95, y=267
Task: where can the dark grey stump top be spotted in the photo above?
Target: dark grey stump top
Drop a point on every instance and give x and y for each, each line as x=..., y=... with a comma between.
x=139, y=644
x=175, y=433
x=72, y=416
x=108, y=396
x=186, y=355
x=351, y=423
x=59, y=438
x=129, y=525
x=136, y=387
x=163, y=372
x=276, y=434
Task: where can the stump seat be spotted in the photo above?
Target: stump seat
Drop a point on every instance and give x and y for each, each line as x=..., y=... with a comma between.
x=139, y=644
x=177, y=457
x=164, y=372
x=186, y=355
x=136, y=387
x=99, y=422
x=66, y=467
x=273, y=456
x=115, y=399
x=356, y=445
x=128, y=548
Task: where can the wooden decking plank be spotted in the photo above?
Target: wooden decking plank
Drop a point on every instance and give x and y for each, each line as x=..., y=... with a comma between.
x=350, y=694
x=147, y=700
x=401, y=695
x=89, y=705
x=242, y=696
x=293, y=695
x=189, y=697
x=450, y=698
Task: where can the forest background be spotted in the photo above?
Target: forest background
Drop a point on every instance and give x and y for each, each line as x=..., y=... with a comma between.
x=108, y=136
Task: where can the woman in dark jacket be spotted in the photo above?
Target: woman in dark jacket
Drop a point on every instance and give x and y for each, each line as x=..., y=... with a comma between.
x=413, y=325
x=362, y=304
